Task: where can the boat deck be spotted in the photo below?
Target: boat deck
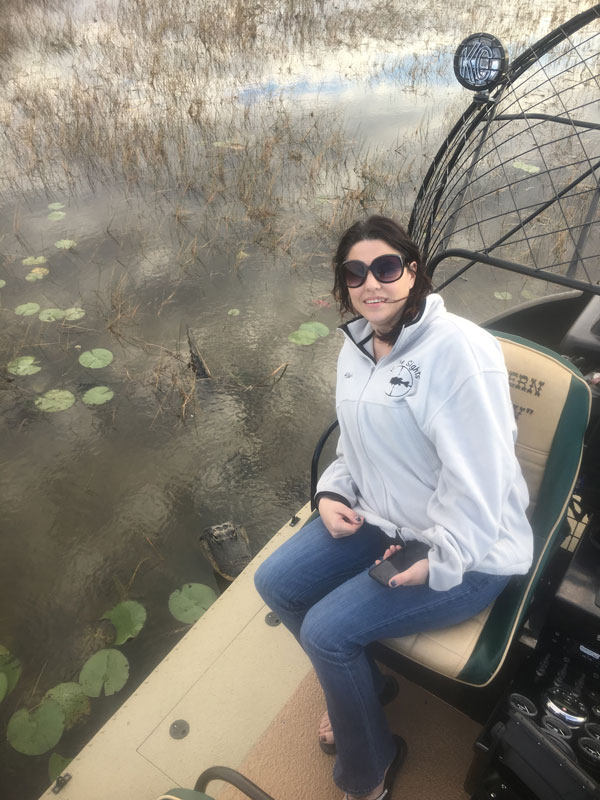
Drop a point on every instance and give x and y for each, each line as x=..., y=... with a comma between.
x=252, y=702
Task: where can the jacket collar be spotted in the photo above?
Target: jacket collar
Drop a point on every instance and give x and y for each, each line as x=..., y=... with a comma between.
x=359, y=331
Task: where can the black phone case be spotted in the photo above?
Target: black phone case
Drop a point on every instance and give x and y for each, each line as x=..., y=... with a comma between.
x=412, y=552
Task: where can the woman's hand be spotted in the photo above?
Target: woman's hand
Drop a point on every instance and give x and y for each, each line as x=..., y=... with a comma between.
x=338, y=518
x=415, y=575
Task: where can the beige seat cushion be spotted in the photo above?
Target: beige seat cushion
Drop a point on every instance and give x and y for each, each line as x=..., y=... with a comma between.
x=446, y=650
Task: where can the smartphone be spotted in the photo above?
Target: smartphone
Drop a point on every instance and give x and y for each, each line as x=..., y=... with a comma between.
x=401, y=560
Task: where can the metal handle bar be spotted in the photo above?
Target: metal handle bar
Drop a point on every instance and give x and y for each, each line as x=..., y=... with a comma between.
x=233, y=777
x=314, y=464
x=512, y=266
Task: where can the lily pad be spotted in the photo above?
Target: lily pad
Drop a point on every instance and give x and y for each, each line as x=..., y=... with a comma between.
x=234, y=312
x=526, y=167
x=107, y=669
x=55, y=400
x=315, y=327
x=503, y=295
x=52, y=315
x=37, y=274
x=57, y=765
x=25, y=365
x=56, y=206
x=3, y=686
x=98, y=395
x=10, y=668
x=190, y=602
x=2, y=283
x=31, y=261
x=528, y=294
x=65, y=244
x=73, y=700
x=71, y=314
x=27, y=309
x=56, y=215
x=36, y=732
x=96, y=359
x=302, y=337
x=128, y=618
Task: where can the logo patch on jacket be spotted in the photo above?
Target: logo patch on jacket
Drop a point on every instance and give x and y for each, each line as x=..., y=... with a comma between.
x=404, y=375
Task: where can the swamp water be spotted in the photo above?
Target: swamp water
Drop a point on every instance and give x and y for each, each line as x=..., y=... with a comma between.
x=164, y=166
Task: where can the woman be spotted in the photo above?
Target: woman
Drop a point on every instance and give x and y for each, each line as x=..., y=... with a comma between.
x=425, y=454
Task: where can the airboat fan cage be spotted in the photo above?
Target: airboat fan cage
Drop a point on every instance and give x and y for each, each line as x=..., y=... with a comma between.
x=517, y=178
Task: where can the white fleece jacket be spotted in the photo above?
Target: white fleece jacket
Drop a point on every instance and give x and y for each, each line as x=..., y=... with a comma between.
x=426, y=445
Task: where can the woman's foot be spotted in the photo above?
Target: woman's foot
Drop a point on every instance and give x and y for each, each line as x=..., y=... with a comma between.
x=325, y=733
x=376, y=794
x=326, y=741
x=384, y=789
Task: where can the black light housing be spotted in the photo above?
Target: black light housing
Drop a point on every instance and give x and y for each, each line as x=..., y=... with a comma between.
x=480, y=62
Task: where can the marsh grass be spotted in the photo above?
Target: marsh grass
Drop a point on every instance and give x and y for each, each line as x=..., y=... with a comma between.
x=196, y=103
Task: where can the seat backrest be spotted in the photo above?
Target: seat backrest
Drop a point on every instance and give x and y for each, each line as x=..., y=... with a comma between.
x=552, y=404
x=551, y=401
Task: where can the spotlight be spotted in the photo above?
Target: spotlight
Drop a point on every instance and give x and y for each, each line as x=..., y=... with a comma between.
x=480, y=62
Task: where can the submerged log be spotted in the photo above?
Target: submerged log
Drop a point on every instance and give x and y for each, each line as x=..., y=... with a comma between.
x=227, y=548
x=197, y=363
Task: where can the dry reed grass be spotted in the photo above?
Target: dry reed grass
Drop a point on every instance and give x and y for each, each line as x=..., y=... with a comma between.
x=170, y=97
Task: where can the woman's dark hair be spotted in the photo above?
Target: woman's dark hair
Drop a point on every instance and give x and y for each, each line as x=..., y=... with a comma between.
x=389, y=231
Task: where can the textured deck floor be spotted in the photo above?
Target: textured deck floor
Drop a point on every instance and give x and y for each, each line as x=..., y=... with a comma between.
x=288, y=764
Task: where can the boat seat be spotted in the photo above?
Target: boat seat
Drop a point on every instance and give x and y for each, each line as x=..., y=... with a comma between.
x=552, y=404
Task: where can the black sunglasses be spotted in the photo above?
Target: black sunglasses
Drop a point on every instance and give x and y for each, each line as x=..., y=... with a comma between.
x=386, y=269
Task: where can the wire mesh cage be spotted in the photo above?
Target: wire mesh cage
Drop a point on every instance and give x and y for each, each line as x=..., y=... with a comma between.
x=517, y=177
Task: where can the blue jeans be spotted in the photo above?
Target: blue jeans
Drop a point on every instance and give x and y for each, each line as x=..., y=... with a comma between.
x=320, y=589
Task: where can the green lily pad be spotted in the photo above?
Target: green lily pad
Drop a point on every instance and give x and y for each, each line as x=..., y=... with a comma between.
x=97, y=396
x=190, y=602
x=55, y=400
x=528, y=294
x=71, y=314
x=526, y=167
x=56, y=215
x=57, y=765
x=302, y=337
x=10, y=668
x=56, y=206
x=73, y=700
x=107, y=669
x=128, y=618
x=2, y=283
x=315, y=327
x=27, y=309
x=31, y=261
x=25, y=365
x=37, y=274
x=36, y=732
x=65, y=244
x=234, y=312
x=503, y=295
x=95, y=359
x=3, y=686
x=52, y=315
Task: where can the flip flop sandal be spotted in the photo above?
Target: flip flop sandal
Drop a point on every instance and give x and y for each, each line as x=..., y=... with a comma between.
x=392, y=771
x=388, y=693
